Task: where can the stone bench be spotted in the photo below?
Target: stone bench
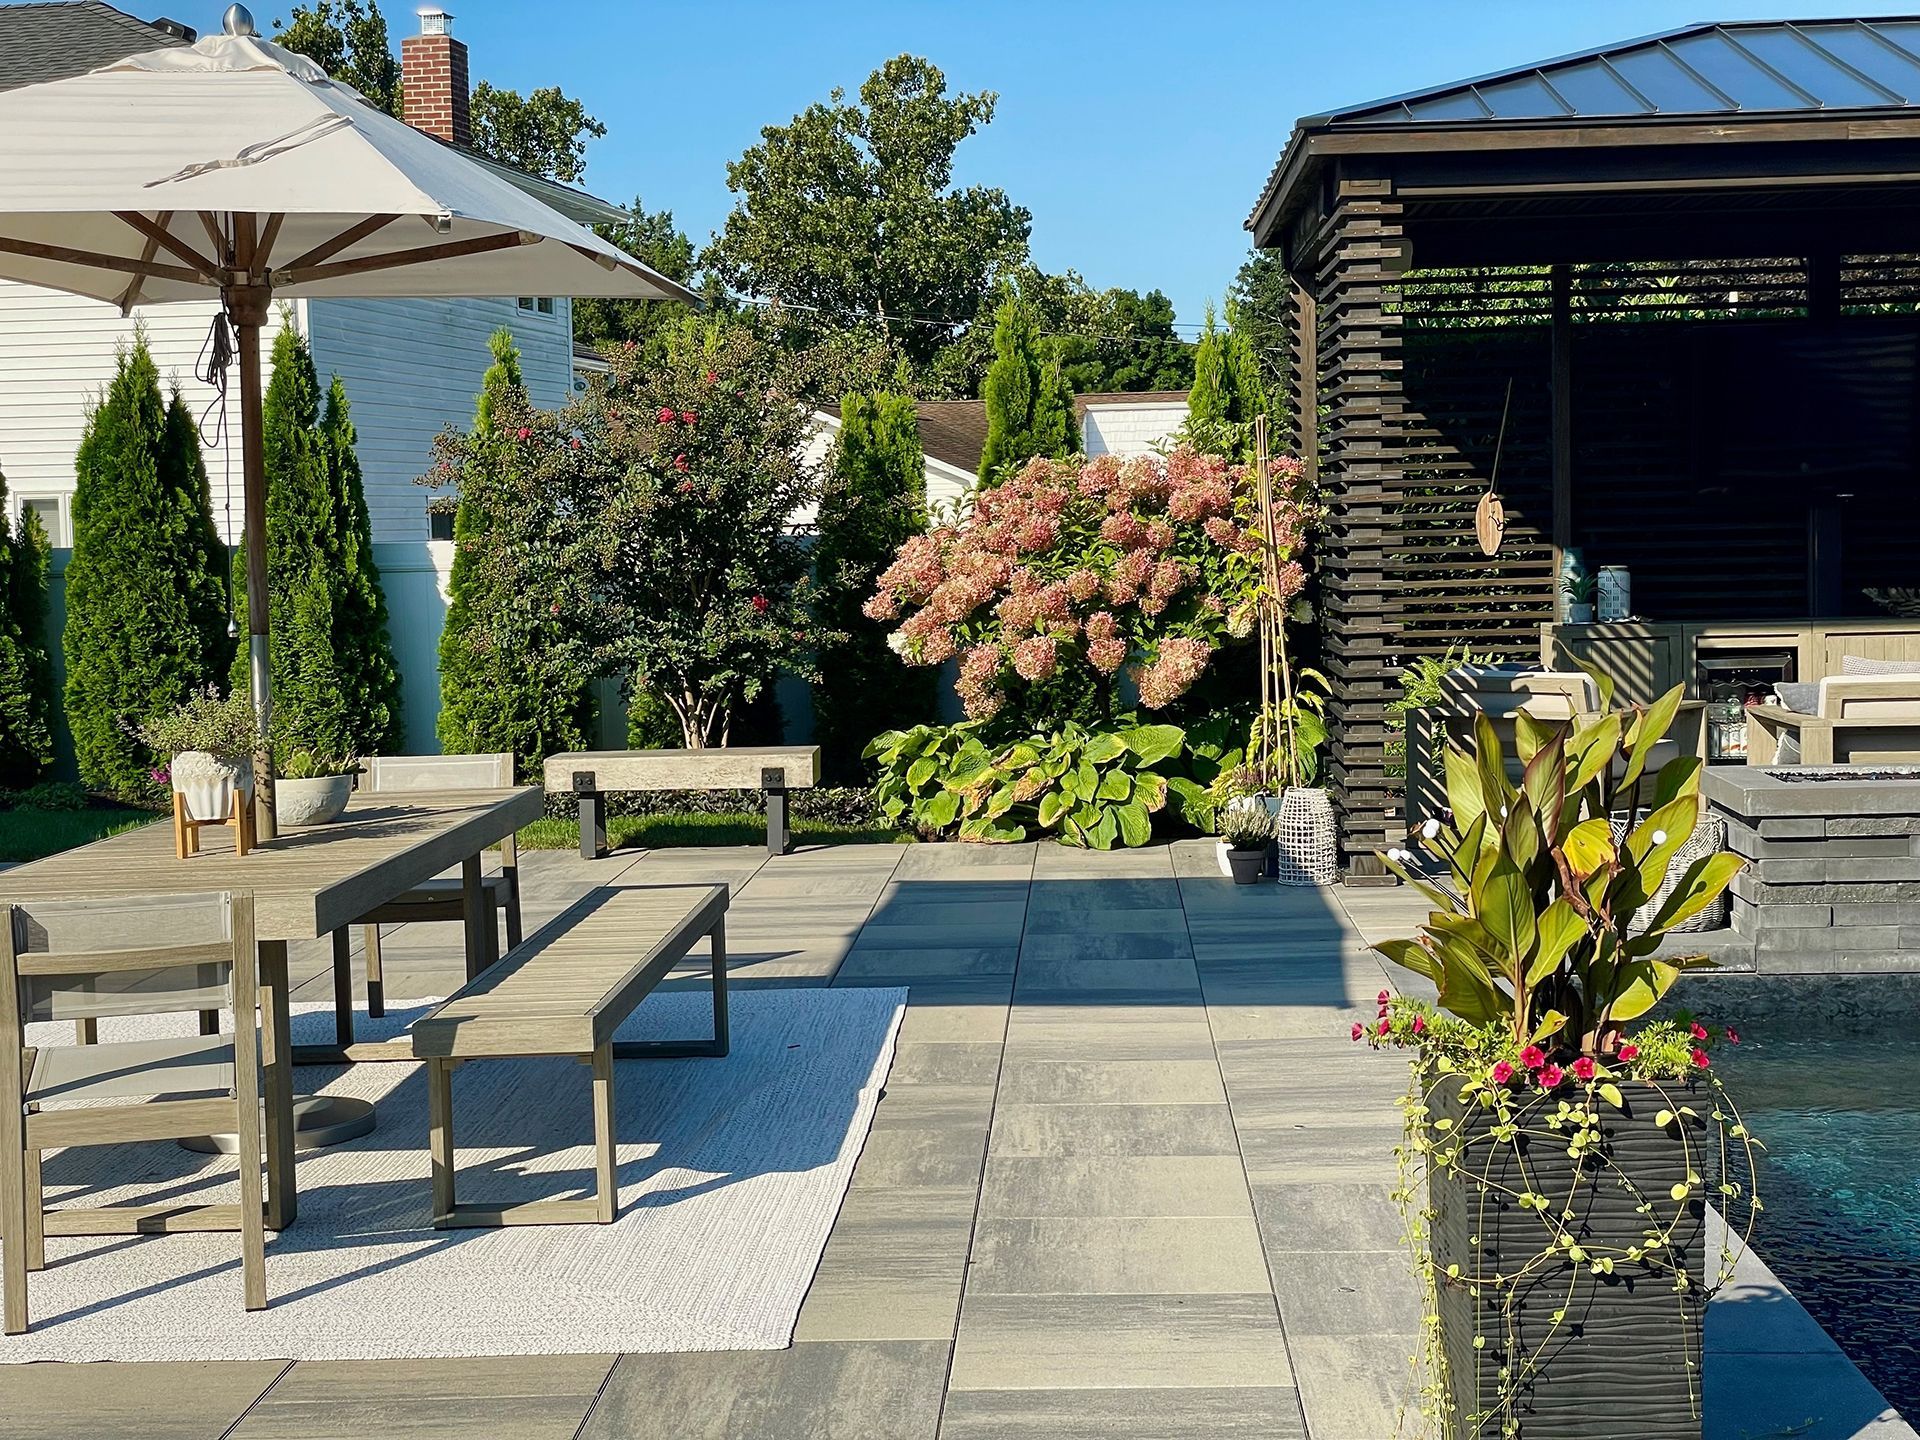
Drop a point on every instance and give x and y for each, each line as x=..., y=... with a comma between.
x=773, y=770
x=565, y=991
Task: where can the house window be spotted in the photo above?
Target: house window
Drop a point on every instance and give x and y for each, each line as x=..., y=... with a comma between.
x=52, y=520
x=439, y=524
x=539, y=305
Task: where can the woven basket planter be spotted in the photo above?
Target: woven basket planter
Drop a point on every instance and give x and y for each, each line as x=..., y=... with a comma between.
x=1309, y=842
x=1709, y=838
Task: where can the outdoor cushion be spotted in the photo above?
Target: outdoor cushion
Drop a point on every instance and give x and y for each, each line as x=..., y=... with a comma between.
x=1800, y=696
x=1861, y=665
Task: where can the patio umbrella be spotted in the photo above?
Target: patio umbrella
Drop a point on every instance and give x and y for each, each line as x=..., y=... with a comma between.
x=238, y=168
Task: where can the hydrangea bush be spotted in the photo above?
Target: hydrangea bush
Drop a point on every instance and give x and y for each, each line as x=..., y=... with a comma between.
x=1142, y=567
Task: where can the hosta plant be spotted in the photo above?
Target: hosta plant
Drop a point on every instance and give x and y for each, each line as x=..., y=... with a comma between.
x=1559, y=1164
x=1091, y=788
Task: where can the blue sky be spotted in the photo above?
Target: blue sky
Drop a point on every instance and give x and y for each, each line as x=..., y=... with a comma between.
x=1137, y=134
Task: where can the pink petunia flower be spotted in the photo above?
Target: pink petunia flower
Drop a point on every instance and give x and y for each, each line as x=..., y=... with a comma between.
x=1583, y=1068
x=1697, y=1030
x=1358, y=1028
x=1502, y=1073
x=1551, y=1076
x=1733, y=1036
x=1700, y=1060
x=1533, y=1057
x=1629, y=1052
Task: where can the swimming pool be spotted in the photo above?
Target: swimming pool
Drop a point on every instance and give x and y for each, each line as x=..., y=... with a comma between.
x=1825, y=1076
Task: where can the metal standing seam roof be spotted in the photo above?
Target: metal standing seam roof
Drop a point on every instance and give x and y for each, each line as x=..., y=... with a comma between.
x=1710, y=69
x=1745, y=68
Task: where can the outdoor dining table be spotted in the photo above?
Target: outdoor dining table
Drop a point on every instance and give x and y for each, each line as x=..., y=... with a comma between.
x=306, y=883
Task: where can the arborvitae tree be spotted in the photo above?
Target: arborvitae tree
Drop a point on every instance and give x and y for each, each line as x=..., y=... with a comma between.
x=146, y=611
x=511, y=677
x=335, y=689
x=26, y=673
x=1207, y=401
x=873, y=500
x=1246, y=382
x=1029, y=406
x=366, y=648
x=1229, y=389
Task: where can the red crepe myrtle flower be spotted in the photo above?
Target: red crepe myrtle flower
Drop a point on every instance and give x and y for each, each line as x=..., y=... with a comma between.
x=680, y=462
x=1583, y=1068
x=1629, y=1052
x=1551, y=1076
x=1733, y=1036
x=711, y=377
x=1533, y=1057
x=1502, y=1073
x=1697, y=1030
x=666, y=414
x=576, y=442
x=522, y=433
x=1700, y=1060
x=759, y=603
x=1358, y=1028
x=685, y=487
x=687, y=417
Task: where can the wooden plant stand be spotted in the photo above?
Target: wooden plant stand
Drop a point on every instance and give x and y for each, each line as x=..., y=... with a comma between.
x=186, y=830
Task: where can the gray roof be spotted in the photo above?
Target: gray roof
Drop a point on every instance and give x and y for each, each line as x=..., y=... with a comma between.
x=1709, y=69
x=58, y=40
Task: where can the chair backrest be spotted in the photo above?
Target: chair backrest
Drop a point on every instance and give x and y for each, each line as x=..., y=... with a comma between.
x=1501, y=690
x=390, y=773
x=152, y=955
x=1870, y=697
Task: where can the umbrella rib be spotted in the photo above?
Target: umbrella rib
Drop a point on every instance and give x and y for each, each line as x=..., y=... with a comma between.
x=393, y=259
x=124, y=264
x=263, y=252
x=326, y=248
x=159, y=235
x=212, y=227
x=130, y=297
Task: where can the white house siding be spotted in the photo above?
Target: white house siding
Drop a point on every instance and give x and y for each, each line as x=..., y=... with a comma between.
x=1131, y=429
x=413, y=367
x=57, y=354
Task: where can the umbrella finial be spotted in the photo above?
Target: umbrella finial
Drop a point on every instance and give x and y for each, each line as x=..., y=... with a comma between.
x=238, y=21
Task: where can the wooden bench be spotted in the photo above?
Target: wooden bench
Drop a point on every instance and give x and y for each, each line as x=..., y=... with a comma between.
x=565, y=991
x=771, y=769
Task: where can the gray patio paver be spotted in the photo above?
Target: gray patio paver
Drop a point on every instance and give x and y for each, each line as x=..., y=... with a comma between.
x=535, y=1397
x=1103, y=1148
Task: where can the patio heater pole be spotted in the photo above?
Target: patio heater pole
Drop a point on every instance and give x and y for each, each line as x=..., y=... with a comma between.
x=247, y=306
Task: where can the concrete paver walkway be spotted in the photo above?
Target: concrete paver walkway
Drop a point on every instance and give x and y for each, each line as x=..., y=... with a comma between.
x=1129, y=1179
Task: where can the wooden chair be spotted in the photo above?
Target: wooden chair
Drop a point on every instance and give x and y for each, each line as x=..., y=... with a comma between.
x=1858, y=720
x=438, y=899
x=91, y=959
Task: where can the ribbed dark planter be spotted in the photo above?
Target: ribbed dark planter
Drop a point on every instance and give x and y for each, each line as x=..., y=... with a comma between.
x=1247, y=865
x=1626, y=1359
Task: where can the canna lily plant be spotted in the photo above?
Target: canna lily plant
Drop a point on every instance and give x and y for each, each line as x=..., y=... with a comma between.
x=1541, y=927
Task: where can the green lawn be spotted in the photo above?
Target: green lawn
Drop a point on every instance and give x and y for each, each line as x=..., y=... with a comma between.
x=667, y=829
x=27, y=834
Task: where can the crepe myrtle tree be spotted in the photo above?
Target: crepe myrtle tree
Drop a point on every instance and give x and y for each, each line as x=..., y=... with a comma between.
x=696, y=467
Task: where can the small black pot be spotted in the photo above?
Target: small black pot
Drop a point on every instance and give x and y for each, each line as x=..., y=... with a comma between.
x=1247, y=865
x=1626, y=1358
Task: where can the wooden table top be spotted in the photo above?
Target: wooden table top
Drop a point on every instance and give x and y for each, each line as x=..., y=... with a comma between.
x=307, y=883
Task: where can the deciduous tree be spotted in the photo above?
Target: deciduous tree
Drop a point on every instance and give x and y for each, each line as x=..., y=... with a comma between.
x=348, y=39
x=544, y=132
x=851, y=211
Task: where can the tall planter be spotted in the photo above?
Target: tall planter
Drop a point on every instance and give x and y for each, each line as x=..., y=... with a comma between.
x=1596, y=1355
x=1308, y=841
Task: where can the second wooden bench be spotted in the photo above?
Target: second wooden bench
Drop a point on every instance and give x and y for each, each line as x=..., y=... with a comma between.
x=773, y=770
x=565, y=992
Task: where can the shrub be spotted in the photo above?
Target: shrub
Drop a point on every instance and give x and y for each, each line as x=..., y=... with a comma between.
x=873, y=502
x=516, y=665
x=219, y=724
x=1144, y=566
x=335, y=684
x=1029, y=404
x=26, y=671
x=146, y=610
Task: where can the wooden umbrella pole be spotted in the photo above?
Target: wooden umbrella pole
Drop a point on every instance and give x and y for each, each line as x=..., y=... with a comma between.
x=247, y=307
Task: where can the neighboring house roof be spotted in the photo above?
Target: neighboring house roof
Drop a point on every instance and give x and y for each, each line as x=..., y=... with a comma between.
x=58, y=40
x=1743, y=70
x=953, y=431
x=1102, y=399
x=587, y=356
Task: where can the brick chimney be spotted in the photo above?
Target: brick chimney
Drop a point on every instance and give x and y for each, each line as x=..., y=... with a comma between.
x=433, y=79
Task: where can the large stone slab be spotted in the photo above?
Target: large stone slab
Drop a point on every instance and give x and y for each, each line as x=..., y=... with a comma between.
x=1027, y=1342
x=1125, y=1255
x=1189, y=1412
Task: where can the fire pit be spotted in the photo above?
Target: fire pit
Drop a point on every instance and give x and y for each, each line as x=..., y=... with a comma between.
x=1833, y=882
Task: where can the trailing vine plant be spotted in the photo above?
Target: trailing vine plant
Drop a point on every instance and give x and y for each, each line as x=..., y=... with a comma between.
x=1529, y=1092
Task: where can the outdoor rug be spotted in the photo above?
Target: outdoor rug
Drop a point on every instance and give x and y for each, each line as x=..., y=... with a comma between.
x=731, y=1174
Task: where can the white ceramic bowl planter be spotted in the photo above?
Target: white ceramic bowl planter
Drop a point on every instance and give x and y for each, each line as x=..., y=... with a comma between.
x=313, y=801
x=208, y=783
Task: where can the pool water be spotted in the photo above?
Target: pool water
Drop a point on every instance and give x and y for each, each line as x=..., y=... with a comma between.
x=1841, y=1180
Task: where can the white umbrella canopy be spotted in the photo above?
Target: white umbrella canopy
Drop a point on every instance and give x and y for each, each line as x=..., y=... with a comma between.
x=236, y=167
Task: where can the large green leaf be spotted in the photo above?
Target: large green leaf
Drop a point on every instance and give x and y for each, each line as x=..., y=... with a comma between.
x=921, y=771
x=1136, y=826
x=1520, y=835
x=1410, y=955
x=1544, y=783
x=1153, y=743
x=1053, y=805
x=1463, y=789
x=1560, y=927
x=1104, y=831
x=1651, y=728
x=1114, y=785
x=1190, y=799
x=1588, y=846
x=1490, y=763
x=1504, y=904
x=1150, y=789
x=1105, y=748
x=1645, y=981
x=940, y=810
x=1698, y=888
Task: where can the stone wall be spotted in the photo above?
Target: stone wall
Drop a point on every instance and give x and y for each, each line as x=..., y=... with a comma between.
x=1833, y=876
